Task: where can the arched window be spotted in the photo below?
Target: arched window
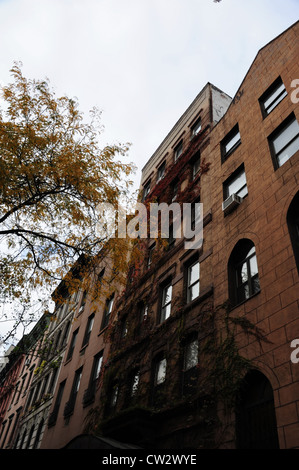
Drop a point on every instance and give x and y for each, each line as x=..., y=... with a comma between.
x=255, y=414
x=243, y=279
x=293, y=226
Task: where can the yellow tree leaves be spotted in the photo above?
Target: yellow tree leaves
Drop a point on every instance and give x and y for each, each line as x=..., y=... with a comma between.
x=53, y=174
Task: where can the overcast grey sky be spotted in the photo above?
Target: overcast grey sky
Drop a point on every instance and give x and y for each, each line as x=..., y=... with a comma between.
x=141, y=61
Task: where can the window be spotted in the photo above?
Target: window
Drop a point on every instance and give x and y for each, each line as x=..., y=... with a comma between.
x=166, y=302
x=97, y=365
x=272, y=97
x=230, y=143
x=30, y=437
x=191, y=355
x=160, y=371
x=107, y=312
x=45, y=384
x=243, y=276
x=161, y=171
x=195, y=213
x=76, y=385
x=150, y=256
x=114, y=395
x=23, y=439
x=12, y=439
x=53, y=380
x=124, y=328
x=36, y=392
x=195, y=166
x=193, y=283
x=134, y=383
x=54, y=413
x=66, y=333
x=293, y=226
x=89, y=326
x=89, y=393
x=236, y=184
x=175, y=187
x=178, y=151
x=75, y=297
x=83, y=302
x=146, y=190
x=56, y=342
x=144, y=311
x=196, y=128
x=171, y=238
x=38, y=434
x=284, y=141
x=70, y=405
x=7, y=430
x=190, y=363
x=72, y=345
x=101, y=276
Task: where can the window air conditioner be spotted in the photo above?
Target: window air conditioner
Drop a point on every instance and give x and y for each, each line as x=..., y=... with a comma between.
x=230, y=203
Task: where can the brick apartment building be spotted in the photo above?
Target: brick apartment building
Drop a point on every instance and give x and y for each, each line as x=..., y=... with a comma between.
x=16, y=379
x=153, y=315
x=201, y=330
x=196, y=352
x=254, y=154
x=78, y=385
x=53, y=376
x=8, y=383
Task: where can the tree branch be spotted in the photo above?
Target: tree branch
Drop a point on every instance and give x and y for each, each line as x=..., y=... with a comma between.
x=20, y=231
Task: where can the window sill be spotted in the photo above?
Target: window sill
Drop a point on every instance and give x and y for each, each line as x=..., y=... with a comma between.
x=232, y=307
x=82, y=350
x=202, y=296
x=68, y=360
x=102, y=330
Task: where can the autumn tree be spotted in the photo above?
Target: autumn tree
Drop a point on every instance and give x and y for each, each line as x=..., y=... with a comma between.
x=53, y=176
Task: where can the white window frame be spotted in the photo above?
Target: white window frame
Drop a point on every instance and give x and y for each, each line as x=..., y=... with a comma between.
x=191, y=284
x=230, y=142
x=230, y=186
x=272, y=97
x=166, y=302
x=279, y=154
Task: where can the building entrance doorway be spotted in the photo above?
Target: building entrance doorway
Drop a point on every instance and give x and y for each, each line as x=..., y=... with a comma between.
x=255, y=414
